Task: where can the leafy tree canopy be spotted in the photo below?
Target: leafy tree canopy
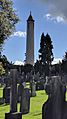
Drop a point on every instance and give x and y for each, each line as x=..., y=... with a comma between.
x=65, y=56
x=2, y=70
x=8, y=19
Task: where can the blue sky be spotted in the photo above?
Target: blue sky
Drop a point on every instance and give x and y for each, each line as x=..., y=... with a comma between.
x=50, y=17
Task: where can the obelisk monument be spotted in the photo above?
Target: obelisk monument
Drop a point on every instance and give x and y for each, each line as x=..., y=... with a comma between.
x=30, y=41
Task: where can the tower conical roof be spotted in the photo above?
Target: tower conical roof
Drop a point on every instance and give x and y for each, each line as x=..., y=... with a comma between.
x=30, y=18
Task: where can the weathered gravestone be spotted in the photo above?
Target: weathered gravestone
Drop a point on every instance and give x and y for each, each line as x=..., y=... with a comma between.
x=22, y=81
x=6, y=94
x=39, y=83
x=13, y=114
x=13, y=92
x=7, y=80
x=2, y=101
x=1, y=81
x=33, y=88
x=39, y=86
x=32, y=84
x=6, y=89
x=20, y=91
x=56, y=106
x=25, y=100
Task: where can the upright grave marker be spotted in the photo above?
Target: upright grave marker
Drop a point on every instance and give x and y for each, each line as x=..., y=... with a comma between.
x=13, y=92
x=13, y=114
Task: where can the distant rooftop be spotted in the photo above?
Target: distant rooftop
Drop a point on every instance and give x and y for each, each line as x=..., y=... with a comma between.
x=30, y=18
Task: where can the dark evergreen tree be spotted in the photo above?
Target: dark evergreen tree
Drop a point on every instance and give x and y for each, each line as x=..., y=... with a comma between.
x=8, y=19
x=48, y=48
x=64, y=63
x=46, y=54
x=42, y=49
x=65, y=56
x=38, y=67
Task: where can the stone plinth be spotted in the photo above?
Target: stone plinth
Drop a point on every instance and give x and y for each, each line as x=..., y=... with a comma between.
x=13, y=115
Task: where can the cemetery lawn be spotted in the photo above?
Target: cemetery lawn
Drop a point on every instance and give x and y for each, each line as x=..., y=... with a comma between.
x=35, y=106
x=1, y=92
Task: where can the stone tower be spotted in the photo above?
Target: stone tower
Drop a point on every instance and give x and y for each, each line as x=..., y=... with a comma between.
x=30, y=41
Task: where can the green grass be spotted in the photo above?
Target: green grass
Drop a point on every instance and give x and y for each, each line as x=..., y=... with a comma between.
x=35, y=106
x=1, y=92
x=3, y=109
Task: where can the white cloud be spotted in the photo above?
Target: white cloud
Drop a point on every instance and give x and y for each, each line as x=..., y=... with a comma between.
x=57, y=10
x=18, y=63
x=55, y=18
x=48, y=16
x=59, y=19
x=19, y=34
x=56, y=60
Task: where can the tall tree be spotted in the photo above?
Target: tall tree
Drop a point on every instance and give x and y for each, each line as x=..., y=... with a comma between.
x=64, y=63
x=48, y=49
x=8, y=19
x=65, y=56
x=2, y=70
x=42, y=49
x=46, y=54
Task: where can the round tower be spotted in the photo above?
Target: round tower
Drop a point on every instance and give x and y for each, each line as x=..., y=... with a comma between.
x=30, y=41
